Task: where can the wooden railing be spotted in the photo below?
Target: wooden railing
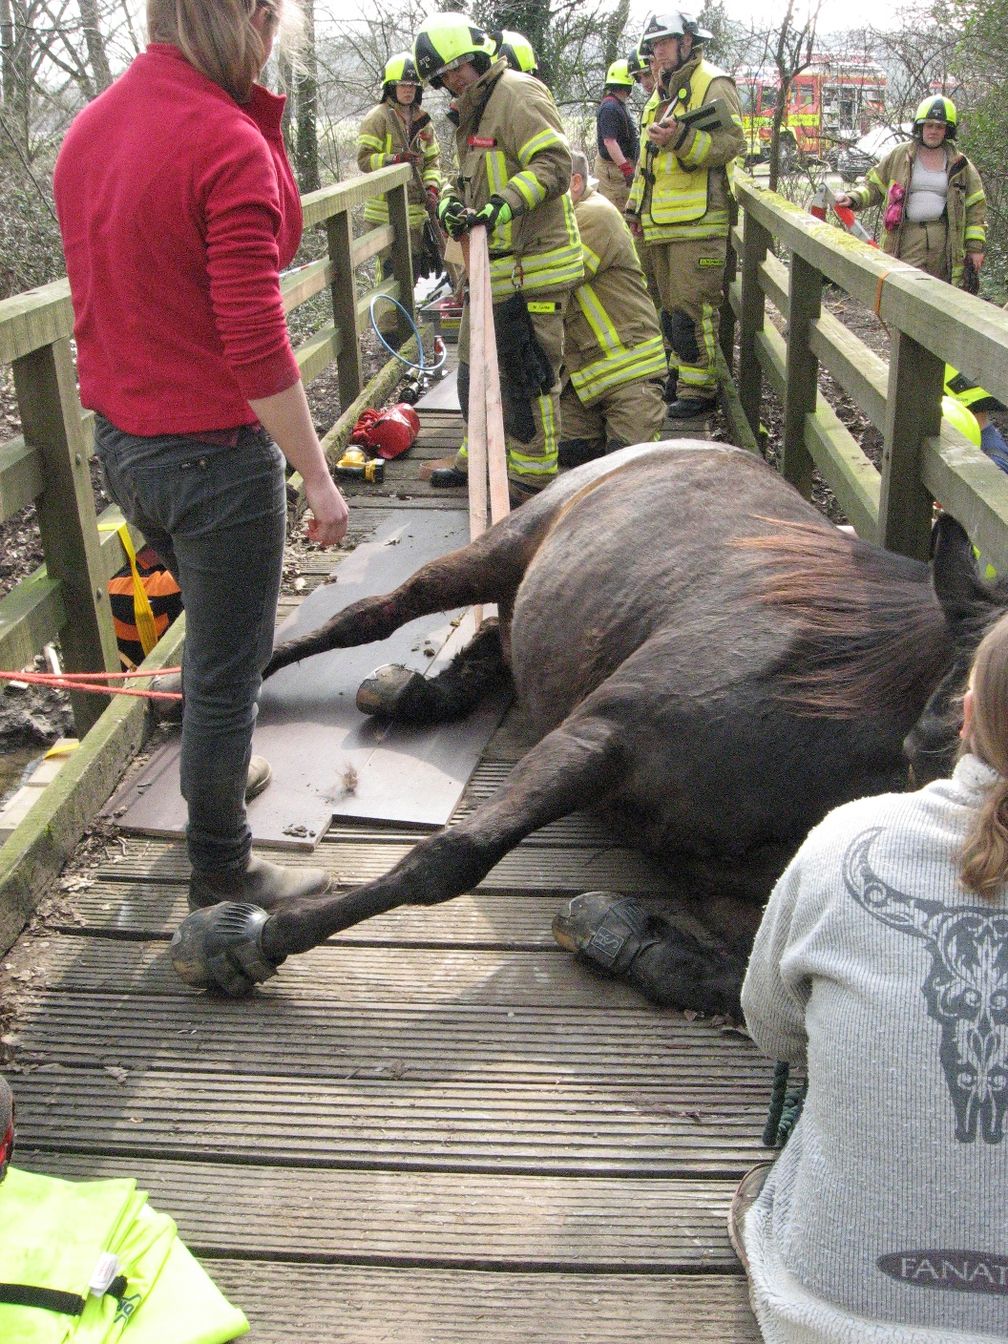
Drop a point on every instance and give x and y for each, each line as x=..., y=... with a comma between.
x=66, y=599
x=782, y=256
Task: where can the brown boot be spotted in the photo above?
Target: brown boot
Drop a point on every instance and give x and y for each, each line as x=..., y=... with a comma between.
x=260, y=883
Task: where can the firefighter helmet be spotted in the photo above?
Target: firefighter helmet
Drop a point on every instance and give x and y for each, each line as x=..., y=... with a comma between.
x=517, y=50
x=399, y=69
x=968, y=393
x=618, y=76
x=674, y=24
x=447, y=41
x=939, y=109
x=637, y=61
x=957, y=416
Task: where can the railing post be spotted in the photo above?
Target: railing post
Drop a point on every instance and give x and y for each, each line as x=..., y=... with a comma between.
x=726, y=330
x=401, y=259
x=801, y=384
x=51, y=422
x=755, y=242
x=913, y=413
x=350, y=361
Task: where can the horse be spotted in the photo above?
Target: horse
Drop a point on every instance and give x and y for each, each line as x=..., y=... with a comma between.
x=701, y=653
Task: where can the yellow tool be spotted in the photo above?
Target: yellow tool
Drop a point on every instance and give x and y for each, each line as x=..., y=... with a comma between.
x=355, y=462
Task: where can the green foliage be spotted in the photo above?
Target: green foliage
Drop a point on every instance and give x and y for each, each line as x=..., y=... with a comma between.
x=31, y=252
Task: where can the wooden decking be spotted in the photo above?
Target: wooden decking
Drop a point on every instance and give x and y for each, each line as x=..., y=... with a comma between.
x=435, y=1128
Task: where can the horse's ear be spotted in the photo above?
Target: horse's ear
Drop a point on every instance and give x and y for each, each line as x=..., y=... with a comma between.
x=958, y=586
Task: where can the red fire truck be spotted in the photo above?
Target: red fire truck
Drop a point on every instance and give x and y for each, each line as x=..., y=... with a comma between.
x=831, y=102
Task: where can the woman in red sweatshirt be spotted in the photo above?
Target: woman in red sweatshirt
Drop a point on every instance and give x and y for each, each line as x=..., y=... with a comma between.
x=178, y=210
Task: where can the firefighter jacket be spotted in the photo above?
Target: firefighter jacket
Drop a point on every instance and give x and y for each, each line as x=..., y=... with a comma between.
x=683, y=191
x=511, y=144
x=611, y=332
x=965, y=209
x=383, y=134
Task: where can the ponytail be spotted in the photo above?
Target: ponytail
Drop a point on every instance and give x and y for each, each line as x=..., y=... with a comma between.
x=984, y=858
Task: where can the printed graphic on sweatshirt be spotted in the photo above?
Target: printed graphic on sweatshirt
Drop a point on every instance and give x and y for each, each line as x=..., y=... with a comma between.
x=966, y=990
x=956, y=1271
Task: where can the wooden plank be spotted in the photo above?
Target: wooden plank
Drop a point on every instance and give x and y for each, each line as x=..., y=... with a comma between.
x=862, y=373
x=41, y=844
x=343, y=292
x=315, y=354
x=22, y=477
x=774, y=281
x=849, y=472
x=384, y=1036
x=31, y=614
x=659, y=1130
x=400, y=261
x=345, y=974
x=369, y=244
x=973, y=489
x=524, y=868
x=429, y=1219
x=304, y=282
x=375, y=1305
x=756, y=242
x=801, y=385
x=46, y=387
x=329, y=202
x=34, y=319
x=913, y=413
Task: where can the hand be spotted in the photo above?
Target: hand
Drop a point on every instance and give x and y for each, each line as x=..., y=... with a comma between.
x=405, y=156
x=433, y=197
x=451, y=213
x=330, y=514
x=496, y=211
x=661, y=132
x=842, y=199
x=977, y=258
x=634, y=224
x=627, y=169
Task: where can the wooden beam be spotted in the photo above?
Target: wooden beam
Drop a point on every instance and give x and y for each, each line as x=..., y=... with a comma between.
x=801, y=380
x=401, y=259
x=343, y=292
x=32, y=320
x=318, y=207
x=751, y=316
x=22, y=477
x=913, y=413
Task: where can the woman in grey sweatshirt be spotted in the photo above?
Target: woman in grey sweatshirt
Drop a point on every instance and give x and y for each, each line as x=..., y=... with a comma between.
x=881, y=967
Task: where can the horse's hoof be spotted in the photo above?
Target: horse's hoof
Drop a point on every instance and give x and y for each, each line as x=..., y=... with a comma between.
x=386, y=691
x=606, y=928
x=220, y=947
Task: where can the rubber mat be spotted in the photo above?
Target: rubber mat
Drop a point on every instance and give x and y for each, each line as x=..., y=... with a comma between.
x=328, y=759
x=443, y=396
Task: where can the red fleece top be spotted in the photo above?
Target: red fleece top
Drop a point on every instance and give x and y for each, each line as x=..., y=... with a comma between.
x=178, y=209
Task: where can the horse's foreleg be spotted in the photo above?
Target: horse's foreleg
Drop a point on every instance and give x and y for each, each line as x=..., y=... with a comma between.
x=488, y=570
x=407, y=696
x=233, y=946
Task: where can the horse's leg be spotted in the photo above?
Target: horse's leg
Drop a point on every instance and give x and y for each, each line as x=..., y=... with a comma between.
x=488, y=570
x=577, y=764
x=400, y=693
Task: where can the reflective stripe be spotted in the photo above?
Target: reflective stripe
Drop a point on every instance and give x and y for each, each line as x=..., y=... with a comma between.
x=592, y=259
x=529, y=188
x=376, y=211
x=496, y=170
x=560, y=268
x=544, y=463
x=714, y=224
x=699, y=149
x=537, y=144
x=646, y=360
x=975, y=234
x=976, y=196
x=598, y=319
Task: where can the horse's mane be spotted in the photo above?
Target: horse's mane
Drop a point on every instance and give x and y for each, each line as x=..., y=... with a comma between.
x=870, y=630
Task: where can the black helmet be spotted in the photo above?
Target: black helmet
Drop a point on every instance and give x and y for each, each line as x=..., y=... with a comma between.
x=637, y=61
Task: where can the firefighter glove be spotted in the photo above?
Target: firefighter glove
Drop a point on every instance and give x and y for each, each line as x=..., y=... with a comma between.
x=405, y=157
x=627, y=169
x=433, y=196
x=451, y=212
x=496, y=211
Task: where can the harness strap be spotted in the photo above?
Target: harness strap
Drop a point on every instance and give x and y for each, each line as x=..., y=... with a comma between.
x=53, y=1299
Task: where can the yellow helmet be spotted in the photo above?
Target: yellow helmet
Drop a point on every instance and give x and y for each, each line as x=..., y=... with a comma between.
x=939, y=109
x=446, y=41
x=618, y=75
x=517, y=51
x=399, y=69
x=960, y=417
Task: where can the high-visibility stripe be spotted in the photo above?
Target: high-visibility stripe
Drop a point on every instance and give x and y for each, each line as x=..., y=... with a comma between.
x=496, y=170
x=592, y=260
x=976, y=196
x=559, y=268
x=646, y=360
x=598, y=319
x=699, y=149
x=529, y=188
x=975, y=234
x=713, y=225
x=543, y=140
x=376, y=211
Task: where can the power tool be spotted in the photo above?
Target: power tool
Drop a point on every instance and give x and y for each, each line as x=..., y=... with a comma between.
x=356, y=463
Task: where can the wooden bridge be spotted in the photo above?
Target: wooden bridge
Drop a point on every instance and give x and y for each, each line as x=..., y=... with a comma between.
x=435, y=1127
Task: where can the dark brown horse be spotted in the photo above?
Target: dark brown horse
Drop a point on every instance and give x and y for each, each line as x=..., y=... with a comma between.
x=702, y=652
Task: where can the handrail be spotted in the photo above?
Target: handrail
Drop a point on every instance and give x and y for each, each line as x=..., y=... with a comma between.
x=930, y=323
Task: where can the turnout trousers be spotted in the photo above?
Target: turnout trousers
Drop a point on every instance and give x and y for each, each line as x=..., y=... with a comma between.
x=690, y=277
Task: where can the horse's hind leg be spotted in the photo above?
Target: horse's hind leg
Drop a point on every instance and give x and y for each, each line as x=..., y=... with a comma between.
x=400, y=693
x=571, y=767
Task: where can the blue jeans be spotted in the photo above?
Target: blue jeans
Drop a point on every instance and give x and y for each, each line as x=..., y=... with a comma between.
x=216, y=516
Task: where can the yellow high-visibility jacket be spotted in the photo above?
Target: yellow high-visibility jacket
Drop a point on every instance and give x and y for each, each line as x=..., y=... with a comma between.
x=383, y=134
x=683, y=190
x=511, y=144
x=611, y=332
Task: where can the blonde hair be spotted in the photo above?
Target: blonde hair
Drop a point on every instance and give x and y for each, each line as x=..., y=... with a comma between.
x=217, y=36
x=984, y=862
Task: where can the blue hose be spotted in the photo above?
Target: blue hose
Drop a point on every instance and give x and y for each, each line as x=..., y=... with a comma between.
x=423, y=366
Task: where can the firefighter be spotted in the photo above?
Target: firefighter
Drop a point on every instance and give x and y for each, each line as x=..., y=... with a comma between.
x=979, y=402
x=680, y=201
x=517, y=50
x=616, y=136
x=639, y=69
x=399, y=131
x=935, y=215
x=514, y=174
x=614, y=359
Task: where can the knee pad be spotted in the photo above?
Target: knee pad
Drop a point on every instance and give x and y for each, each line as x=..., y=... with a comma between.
x=682, y=337
x=575, y=452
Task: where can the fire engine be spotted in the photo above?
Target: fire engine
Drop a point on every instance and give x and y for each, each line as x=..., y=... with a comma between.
x=831, y=101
